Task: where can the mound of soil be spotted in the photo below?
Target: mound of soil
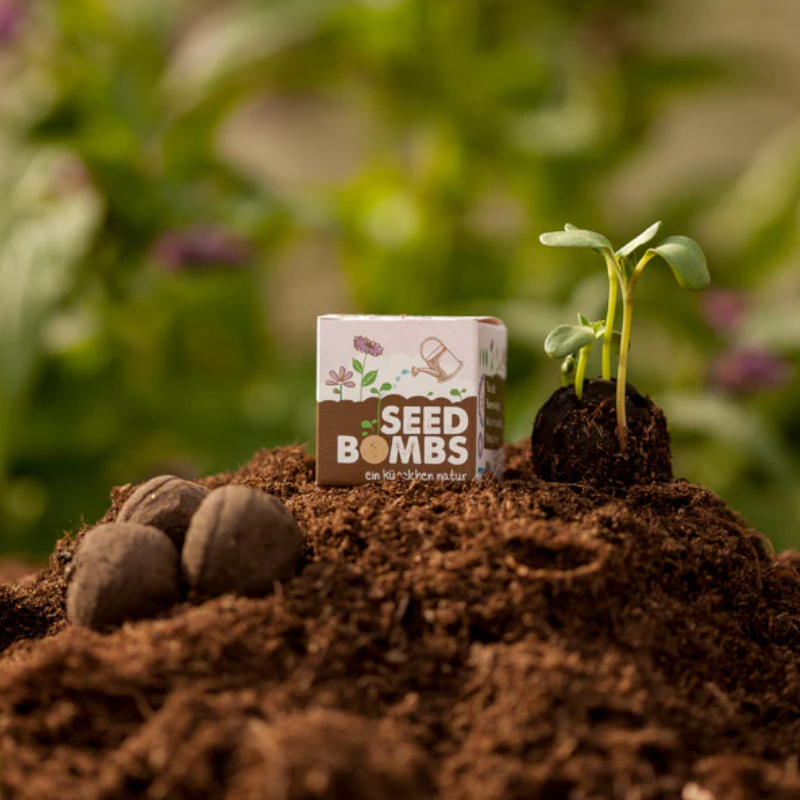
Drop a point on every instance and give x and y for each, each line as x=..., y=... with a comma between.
x=502, y=639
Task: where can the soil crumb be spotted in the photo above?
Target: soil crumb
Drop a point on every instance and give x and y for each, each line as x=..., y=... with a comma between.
x=502, y=639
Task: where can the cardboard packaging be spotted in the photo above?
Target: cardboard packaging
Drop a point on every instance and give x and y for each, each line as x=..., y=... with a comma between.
x=420, y=398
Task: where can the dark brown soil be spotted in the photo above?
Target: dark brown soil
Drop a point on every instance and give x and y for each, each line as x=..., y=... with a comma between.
x=575, y=441
x=504, y=639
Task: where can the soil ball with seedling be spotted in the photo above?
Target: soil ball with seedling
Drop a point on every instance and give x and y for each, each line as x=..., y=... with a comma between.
x=240, y=540
x=122, y=571
x=167, y=503
x=573, y=436
x=575, y=440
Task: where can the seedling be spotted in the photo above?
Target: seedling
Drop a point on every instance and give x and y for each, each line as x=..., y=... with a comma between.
x=683, y=255
x=565, y=341
x=568, y=367
x=385, y=387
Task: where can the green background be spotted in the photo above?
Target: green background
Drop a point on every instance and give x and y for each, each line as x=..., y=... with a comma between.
x=186, y=185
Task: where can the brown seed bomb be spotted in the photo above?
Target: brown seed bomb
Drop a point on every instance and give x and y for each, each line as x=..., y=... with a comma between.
x=122, y=571
x=240, y=540
x=167, y=503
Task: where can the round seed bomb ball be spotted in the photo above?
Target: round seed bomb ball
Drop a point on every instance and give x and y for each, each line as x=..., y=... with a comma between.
x=240, y=540
x=122, y=571
x=167, y=503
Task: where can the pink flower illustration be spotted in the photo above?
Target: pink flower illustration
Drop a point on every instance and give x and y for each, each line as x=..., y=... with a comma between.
x=340, y=379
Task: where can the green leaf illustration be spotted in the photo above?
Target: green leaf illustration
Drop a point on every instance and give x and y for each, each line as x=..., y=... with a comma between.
x=455, y=392
x=373, y=391
x=358, y=366
x=369, y=378
x=687, y=260
x=366, y=424
x=385, y=387
x=567, y=339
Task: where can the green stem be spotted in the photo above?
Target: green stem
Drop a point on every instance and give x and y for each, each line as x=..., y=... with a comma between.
x=580, y=373
x=363, y=373
x=622, y=367
x=610, y=315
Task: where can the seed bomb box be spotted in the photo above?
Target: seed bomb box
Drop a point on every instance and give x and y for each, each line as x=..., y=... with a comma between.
x=420, y=398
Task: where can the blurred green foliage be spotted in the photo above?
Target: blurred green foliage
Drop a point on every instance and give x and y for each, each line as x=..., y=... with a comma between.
x=162, y=261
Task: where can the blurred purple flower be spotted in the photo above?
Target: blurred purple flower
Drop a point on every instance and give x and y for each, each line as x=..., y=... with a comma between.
x=201, y=247
x=11, y=15
x=723, y=309
x=749, y=371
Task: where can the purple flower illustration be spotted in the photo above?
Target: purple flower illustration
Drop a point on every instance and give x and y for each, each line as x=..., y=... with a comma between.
x=340, y=379
x=749, y=371
x=368, y=348
x=201, y=247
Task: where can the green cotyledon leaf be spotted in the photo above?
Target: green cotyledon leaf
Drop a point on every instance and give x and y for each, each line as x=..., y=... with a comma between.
x=641, y=240
x=576, y=237
x=687, y=261
x=599, y=250
x=567, y=339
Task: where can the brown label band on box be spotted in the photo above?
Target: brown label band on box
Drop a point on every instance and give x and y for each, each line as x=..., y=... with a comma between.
x=414, y=438
x=493, y=404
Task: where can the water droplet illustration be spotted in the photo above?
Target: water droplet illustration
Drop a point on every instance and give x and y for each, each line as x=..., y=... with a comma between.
x=405, y=372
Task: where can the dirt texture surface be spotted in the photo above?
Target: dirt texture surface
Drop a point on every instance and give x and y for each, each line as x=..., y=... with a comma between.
x=503, y=639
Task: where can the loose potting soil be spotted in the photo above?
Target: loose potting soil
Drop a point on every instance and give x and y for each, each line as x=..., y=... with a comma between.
x=501, y=639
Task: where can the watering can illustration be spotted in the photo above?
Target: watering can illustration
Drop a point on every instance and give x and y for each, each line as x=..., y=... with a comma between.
x=442, y=364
